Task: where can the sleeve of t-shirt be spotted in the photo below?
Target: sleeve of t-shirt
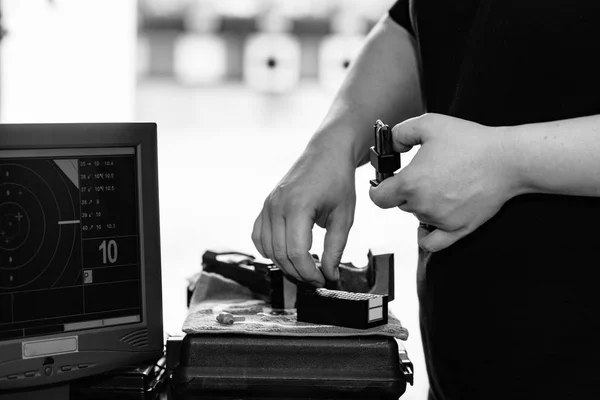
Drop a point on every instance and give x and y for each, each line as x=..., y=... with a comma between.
x=400, y=13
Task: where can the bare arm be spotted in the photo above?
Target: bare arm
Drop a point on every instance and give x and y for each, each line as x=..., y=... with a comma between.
x=383, y=83
x=559, y=157
x=320, y=187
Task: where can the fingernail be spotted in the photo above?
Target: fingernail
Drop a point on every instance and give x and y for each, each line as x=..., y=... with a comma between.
x=336, y=274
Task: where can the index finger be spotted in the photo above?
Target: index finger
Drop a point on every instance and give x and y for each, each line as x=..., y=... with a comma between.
x=256, y=232
x=298, y=242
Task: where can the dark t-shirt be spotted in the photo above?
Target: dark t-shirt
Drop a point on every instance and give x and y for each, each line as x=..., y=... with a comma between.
x=512, y=311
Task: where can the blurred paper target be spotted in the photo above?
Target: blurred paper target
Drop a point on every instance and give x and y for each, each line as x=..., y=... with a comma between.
x=238, y=8
x=199, y=59
x=199, y=54
x=304, y=9
x=338, y=50
x=162, y=8
x=371, y=10
x=272, y=56
x=336, y=54
x=202, y=16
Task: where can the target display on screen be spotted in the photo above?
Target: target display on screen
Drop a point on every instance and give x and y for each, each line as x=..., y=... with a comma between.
x=69, y=241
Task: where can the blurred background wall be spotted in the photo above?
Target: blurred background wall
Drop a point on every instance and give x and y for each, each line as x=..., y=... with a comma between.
x=237, y=87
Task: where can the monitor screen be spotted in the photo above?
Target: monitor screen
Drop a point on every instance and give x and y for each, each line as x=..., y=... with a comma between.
x=69, y=241
x=80, y=268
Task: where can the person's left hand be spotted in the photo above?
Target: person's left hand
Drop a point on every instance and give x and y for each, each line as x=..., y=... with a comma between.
x=459, y=178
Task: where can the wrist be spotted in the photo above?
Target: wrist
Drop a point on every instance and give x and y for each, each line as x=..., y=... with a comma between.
x=515, y=161
x=340, y=143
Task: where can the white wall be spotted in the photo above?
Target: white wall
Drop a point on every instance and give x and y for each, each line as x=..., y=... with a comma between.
x=68, y=60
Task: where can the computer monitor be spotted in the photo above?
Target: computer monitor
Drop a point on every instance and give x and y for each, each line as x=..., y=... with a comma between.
x=80, y=270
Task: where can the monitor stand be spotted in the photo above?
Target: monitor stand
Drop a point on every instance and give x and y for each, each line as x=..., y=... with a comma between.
x=54, y=392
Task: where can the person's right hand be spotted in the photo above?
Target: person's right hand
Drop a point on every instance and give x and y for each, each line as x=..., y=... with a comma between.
x=319, y=188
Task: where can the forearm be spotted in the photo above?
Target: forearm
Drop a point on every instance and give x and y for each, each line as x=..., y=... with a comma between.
x=559, y=157
x=383, y=83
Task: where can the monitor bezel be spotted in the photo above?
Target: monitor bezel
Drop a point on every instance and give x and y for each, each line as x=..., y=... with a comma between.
x=99, y=349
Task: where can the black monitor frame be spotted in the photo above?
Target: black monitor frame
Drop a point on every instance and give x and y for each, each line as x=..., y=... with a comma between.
x=102, y=349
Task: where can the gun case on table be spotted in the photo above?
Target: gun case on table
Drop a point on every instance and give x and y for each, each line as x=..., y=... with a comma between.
x=239, y=366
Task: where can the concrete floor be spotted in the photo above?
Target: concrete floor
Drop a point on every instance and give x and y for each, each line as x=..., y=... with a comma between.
x=221, y=151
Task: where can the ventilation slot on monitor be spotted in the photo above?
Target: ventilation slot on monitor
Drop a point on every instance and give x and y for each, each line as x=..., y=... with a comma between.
x=137, y=338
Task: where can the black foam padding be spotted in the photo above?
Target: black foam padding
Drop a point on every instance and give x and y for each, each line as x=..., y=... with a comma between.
x=277, y=288
x=238, y=366
x=340, y=308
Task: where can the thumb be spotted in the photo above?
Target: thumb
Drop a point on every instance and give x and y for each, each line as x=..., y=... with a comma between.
x=336, y=237
x=412, y=132
x=439, y=239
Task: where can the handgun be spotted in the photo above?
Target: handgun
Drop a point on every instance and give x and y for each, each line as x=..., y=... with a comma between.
x=267, y=280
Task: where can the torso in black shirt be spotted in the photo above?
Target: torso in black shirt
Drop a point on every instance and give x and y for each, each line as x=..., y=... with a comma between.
x=512, y=311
